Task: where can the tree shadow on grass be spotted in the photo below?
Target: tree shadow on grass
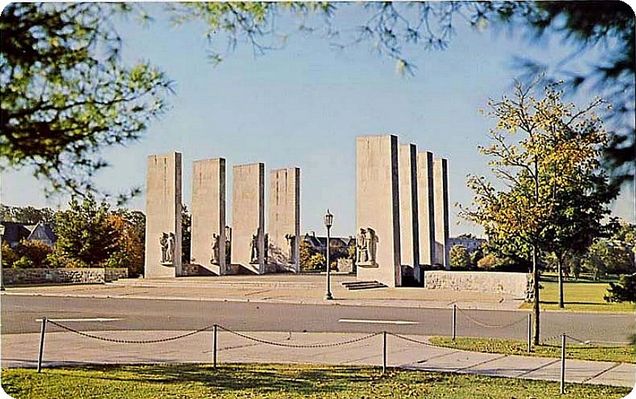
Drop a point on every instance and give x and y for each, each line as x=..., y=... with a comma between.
x=245, y=377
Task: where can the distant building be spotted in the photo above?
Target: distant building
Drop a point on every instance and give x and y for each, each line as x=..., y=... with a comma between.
x=319, y=243
x=14, y=232
x=468, y=241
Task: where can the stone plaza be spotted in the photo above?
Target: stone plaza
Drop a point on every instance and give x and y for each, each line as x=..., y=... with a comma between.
x=401, y=215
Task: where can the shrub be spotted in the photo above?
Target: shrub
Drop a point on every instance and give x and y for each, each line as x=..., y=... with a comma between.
x=623, y=291
x=36, y=251
x=8, y=255
x=23, y=263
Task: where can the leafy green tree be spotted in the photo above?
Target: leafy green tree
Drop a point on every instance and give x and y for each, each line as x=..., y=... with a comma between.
x=546, y=153
x=459, y=256
x=65, y=93
x=623, y=291
x=85, y=235
x=130, y=253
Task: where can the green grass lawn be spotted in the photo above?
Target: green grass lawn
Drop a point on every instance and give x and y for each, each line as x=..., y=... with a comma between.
x=580, y=296
x=516, y=347
x=277, y=381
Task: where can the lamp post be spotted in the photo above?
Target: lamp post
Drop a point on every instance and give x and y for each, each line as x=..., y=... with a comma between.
x=1, y=270
x=328, y=224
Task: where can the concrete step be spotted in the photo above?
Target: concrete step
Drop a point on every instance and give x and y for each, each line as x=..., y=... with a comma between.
x=362, y=285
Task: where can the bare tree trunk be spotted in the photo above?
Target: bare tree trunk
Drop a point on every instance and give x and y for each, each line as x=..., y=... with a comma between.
x=560, y=277
x=535, y=278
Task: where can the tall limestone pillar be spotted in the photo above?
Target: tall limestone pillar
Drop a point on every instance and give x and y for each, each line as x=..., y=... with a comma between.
x=440, y=179
x=163, y=216
x=409, y=238
x=208, y=215
x=248, y=217
x=426, y=208
x=283, y=221
x=378, y=210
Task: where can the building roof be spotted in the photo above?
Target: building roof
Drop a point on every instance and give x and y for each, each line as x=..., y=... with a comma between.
x=14, y=232
x=321, y=241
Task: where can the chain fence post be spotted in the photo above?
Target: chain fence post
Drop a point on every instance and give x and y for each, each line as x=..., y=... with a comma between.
x=562, y=388
x=454, y=322
x=41, y=351
x=529, y=333
x=214, y=342
x=383, y=352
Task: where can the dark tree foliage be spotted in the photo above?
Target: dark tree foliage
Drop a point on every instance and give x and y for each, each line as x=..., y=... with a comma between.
x=27, y=214
x=623, y=291
x=85, y=234
x=66, y=95
x=589, y=25
x=398, y=30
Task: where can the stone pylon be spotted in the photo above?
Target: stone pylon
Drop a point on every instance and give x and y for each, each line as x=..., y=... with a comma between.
x=440, y=179
x=283, y=221
x=409, y=219
x=248, y=217
x=163, y=216
x=378, y=210
x=426, y=208
x=208, y=215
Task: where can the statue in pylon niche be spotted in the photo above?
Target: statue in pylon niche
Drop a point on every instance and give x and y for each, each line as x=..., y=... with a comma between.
x=254, y=252
x=291, y=242
x=366, y=247
x=167, y=242
x=216, y=242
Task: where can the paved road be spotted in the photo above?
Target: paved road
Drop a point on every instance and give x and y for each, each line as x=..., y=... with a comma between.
x=19, y=314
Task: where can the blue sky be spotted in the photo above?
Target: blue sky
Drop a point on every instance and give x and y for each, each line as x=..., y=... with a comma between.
x=303, y=106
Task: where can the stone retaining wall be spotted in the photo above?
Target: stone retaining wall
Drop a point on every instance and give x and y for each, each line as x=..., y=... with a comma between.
x=514, y=284
x=63, y=275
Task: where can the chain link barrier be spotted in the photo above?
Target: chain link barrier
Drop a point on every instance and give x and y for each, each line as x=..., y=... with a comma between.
x=589, y=344
x=585, y=344
x=285, y=345
x=415, y=341
x=130, y=341
x=207, y=328
x=486, y=325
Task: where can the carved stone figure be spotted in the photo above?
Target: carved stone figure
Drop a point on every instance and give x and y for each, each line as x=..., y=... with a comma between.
x=163, y=242
x=362, y=252
x=167, y=248
x=228, y=245
x=254, y=253
x=366, y=247
x=291, y=242
x=215, y=249
x=170, y=250
x=372, y=244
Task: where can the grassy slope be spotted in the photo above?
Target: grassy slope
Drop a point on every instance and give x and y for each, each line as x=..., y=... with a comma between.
x=579, y=296
x=515, y=347
x=276, y=381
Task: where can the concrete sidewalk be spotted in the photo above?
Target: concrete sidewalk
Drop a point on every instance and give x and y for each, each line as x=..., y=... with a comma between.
x=66, y=348
x=293, y=289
